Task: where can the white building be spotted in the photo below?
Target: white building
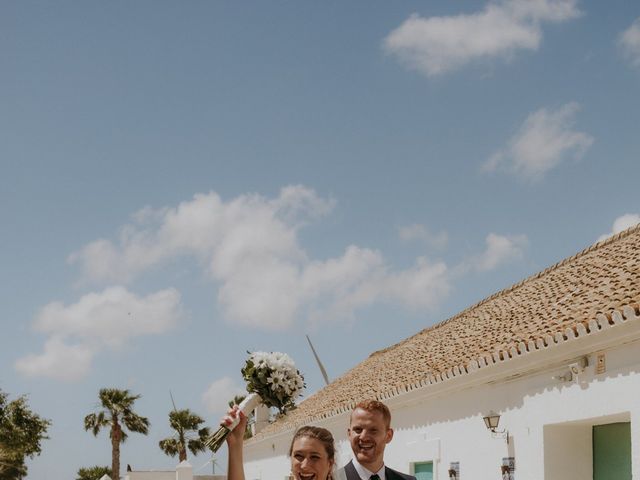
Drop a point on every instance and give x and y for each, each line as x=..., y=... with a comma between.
x=557, y=356
x=183, y=471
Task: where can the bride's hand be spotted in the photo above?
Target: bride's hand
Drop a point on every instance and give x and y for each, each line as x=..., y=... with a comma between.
x=237, y=434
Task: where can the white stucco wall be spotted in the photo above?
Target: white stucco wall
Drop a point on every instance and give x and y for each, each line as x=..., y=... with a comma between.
x=549, y=421
x=568, y=452
x=183, y=471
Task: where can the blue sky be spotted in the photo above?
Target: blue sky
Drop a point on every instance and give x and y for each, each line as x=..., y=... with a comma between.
x=183, y=182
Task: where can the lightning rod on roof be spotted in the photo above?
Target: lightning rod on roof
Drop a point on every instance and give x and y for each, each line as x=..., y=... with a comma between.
x=322, y=370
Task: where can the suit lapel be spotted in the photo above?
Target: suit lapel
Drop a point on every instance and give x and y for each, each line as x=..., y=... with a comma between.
x=350, y=470
x=391, y=474
x=352, y=474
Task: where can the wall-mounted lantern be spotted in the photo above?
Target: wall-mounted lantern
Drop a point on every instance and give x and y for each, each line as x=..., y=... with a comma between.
x=491, y=421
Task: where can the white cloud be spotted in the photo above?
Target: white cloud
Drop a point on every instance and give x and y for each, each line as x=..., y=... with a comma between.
x=340, y=275
x=221, y=234
x=437, y=45
x=262, y=292
x=249, y=245
x=368, y=280
x=98, y=320
x=621, y=223
x=629, y=42
x=421, y=233
x=59, y=361
x=264, y=278
x=545, y=140
x=500, y=249
x=216, y=398
x=112, y=316
x=422, y=286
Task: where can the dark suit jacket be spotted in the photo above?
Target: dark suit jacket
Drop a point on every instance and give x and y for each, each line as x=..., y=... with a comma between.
x=390, y=474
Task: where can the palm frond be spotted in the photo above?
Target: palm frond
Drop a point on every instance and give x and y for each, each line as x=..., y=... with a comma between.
x=170, y=446
x=136, y=423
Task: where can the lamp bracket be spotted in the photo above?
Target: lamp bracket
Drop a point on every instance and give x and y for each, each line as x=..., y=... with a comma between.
x=501, y=434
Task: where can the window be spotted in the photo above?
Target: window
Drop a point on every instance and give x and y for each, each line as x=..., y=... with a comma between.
x=612, y=451
x=423, y=470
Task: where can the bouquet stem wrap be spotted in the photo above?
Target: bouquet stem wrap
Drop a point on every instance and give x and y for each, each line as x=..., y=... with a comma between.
x=250, y=402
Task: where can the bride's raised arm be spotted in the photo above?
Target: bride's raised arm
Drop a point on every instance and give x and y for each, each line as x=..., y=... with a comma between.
x=235, y=439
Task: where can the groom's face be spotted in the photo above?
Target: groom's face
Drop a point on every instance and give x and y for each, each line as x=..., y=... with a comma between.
x=368, y=435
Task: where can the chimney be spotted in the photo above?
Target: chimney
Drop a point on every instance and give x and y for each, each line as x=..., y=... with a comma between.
x=261, y=418
x=184, y=471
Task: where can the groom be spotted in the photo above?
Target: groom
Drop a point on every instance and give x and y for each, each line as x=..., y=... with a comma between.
x=369, y=432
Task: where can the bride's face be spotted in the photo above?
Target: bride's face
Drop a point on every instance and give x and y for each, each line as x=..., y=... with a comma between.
x=309, y=460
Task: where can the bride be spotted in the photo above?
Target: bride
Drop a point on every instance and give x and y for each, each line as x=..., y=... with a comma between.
x=312, y=451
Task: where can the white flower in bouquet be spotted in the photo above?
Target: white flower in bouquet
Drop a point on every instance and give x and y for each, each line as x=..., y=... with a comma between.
x=272, y=379
x=275, y=378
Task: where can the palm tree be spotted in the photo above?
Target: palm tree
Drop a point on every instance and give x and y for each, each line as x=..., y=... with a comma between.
x=117, y=411
x=93, y=473
x=188, y=434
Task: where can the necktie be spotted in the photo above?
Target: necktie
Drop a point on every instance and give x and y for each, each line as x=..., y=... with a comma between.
x=375, y=476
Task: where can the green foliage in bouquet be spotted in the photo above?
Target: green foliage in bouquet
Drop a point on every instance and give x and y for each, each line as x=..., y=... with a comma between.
x=275, y=378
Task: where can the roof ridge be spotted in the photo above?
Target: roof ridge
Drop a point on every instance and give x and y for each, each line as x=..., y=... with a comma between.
x=595, y=246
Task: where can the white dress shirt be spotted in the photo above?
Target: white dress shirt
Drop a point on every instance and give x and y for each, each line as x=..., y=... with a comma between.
x=366, y=474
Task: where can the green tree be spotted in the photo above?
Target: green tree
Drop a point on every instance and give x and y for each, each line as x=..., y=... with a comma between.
x=93, y=473
x=21, y=434
x=117, y=412
x=188, y=434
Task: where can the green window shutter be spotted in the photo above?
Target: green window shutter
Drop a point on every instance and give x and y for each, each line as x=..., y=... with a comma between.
x=423, y=470
x=612, y=451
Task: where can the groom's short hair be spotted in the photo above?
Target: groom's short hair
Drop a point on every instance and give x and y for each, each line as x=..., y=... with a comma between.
x=374, y=406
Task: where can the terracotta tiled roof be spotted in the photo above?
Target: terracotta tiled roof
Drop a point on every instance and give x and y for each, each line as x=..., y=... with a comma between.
x=560, y=302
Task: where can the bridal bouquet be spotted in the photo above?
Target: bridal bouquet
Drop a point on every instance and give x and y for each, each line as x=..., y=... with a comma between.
x=273, y=380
